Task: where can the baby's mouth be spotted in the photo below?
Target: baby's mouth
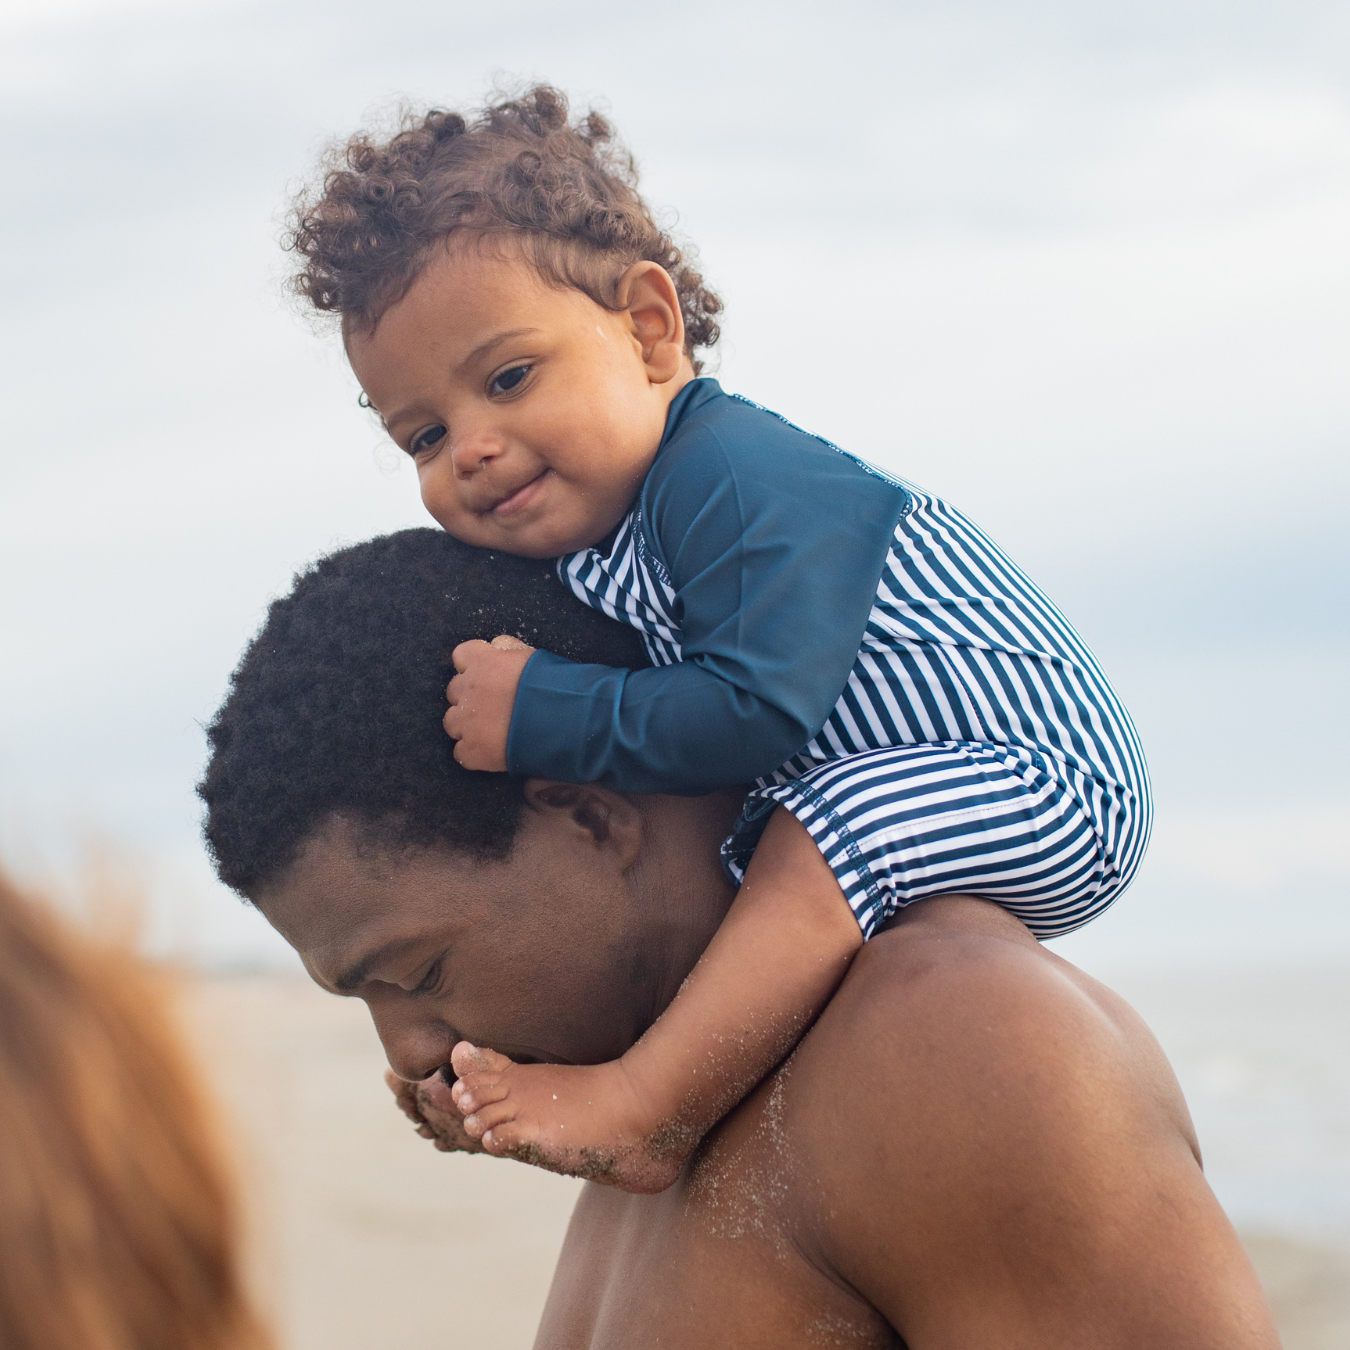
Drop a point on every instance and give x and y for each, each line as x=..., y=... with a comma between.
x=520, y=498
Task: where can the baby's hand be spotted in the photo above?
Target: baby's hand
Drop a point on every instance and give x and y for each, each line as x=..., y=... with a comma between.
x=432, y=1110
x=481, y=698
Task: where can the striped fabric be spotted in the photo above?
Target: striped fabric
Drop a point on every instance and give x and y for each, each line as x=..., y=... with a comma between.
x=977, y=747
x=629, y=584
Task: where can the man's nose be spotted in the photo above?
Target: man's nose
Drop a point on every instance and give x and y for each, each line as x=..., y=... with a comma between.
x=415, y=1046
x=472, y=448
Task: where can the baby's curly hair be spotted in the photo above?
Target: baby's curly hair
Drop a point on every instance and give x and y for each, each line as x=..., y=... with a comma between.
x=565, y=191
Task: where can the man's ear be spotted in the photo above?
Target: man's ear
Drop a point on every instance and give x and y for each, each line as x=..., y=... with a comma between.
x=648, y=296
x=608, y=818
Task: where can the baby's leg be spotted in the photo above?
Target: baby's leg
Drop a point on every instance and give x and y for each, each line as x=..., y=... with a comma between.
x=781, y=951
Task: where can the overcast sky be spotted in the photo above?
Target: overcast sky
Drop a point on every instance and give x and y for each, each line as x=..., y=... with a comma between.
x=1081, y=268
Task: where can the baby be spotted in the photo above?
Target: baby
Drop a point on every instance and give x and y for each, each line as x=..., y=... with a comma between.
x=907, y=714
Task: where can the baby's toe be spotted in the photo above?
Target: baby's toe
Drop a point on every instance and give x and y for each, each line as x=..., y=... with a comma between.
x=478, y=1091
x=474, y=1082
x=507, y=1139
x=489, y=1117
x=468, y=1059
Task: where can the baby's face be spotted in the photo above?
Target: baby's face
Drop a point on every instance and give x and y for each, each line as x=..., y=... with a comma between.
x=531, y=412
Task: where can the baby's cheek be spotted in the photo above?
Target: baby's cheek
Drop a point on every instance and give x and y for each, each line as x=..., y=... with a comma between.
x=584, y=514
x=464, y=526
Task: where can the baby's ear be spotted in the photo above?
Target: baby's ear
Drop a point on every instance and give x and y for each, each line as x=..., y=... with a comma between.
x=648, y=296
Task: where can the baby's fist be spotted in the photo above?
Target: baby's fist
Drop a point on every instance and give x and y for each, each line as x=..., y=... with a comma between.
x=481, y=698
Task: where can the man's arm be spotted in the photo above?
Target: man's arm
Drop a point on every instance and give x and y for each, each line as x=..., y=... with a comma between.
x=1024, y=1172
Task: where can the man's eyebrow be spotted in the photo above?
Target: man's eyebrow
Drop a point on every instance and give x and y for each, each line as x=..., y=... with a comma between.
x=351, y=980
x=355, y=976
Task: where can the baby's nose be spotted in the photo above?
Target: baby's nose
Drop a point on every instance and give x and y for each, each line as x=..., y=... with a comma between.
x=469, y=453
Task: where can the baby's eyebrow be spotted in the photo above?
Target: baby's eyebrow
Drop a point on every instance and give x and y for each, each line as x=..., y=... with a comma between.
x=477, y=354
x=484, y=348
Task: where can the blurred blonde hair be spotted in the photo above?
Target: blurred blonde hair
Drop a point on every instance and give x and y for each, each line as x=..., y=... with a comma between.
x=118, y=1226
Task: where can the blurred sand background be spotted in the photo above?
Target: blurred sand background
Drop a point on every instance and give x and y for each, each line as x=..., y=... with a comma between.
x=364, y=1235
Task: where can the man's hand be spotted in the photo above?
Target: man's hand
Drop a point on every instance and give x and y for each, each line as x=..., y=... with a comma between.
x=481, y=698
x=430, y=1107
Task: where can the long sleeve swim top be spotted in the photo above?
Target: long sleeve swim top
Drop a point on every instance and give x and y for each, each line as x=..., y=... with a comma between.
x=750, y=560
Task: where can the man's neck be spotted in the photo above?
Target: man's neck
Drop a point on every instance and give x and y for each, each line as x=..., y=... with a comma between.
x=679, y=883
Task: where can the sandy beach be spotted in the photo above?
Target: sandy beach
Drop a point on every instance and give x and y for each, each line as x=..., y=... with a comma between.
x=363, y=1235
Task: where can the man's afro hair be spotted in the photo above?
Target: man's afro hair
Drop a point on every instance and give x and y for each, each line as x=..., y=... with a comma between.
x=336, y=706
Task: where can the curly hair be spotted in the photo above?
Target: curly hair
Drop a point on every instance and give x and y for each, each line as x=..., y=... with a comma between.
x=336, y=706
x=565, y=191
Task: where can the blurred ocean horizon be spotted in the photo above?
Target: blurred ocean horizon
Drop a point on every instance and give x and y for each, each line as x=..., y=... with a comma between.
x=1261, y=1057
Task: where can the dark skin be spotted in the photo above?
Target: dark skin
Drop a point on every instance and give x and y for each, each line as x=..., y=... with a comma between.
x=975, y=1145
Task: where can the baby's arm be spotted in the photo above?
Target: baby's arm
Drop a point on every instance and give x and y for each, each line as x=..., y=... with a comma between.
x=781, y=951
x=769, y=551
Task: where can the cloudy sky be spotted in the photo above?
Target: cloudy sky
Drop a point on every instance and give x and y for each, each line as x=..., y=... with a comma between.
x=1082, y=268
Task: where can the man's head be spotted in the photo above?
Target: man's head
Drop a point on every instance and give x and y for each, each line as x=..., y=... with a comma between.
x=513, y=313
x=548, y=920
x=336, y=707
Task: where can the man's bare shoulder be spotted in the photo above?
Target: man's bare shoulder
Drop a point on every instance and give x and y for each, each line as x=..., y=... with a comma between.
x=966, y=990
x=994, y=1151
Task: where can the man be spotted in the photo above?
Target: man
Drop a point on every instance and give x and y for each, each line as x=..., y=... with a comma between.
x=975, y=1145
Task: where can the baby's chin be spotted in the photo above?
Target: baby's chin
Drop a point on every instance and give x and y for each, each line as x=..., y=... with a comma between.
x=542, y=539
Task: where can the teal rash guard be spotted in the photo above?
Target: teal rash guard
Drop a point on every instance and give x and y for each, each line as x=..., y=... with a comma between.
x=763, y=547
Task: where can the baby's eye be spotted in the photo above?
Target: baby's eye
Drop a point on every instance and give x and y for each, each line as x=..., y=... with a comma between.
x=424, y=440
x=508, y=379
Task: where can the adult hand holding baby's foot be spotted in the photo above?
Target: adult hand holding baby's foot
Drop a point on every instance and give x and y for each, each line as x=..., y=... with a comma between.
x=482, y=696
x=429, y=1106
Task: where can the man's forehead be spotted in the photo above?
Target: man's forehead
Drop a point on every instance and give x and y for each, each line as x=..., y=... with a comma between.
x=345, y=945
x=341, y=905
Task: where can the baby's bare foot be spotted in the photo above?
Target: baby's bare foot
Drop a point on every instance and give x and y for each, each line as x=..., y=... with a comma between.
x=583, y=1120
